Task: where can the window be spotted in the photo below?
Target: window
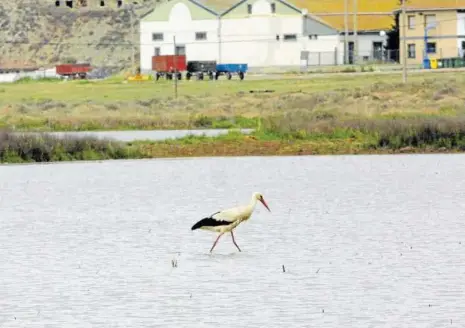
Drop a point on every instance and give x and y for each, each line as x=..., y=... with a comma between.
x=430, y=19
x=431, y=47
x=57, y=3
x=69, y=4
x=273, y=8
x=277, y=37
x=290, y=37
x=199, y=36
x=411, y=51
x=249, y=9
x=180, y=50
x=102, y=3
x=411, y=22
x=119, y=3
x=156, y=51
x=157, y=36
x=313, y=37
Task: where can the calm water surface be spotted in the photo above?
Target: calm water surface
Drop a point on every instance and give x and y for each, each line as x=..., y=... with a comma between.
x=366, y=241
x=140, y=134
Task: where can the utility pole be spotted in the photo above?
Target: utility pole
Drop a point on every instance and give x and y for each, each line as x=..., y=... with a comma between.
x=175, y=69
x=346, y=32
x=133, y=34
x=404, y=46
x=355, y=33
x=133, y=41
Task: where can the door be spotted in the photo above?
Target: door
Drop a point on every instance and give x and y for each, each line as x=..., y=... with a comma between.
x=462, y=53
x=351, y=52
x=377, y=50
x=304, y=58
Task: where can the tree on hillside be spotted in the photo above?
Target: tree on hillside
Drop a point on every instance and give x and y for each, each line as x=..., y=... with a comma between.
x=393, y=40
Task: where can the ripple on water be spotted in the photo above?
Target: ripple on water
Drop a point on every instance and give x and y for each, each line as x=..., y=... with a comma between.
x=366, y=241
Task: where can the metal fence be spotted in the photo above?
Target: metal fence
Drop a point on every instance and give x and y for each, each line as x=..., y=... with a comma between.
x=333, y=58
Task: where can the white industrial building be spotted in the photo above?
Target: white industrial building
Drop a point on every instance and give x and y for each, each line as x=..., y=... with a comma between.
x=261, y=33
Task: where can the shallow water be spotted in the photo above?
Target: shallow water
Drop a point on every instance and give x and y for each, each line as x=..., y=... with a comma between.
x=141, y=134
x=366, y=241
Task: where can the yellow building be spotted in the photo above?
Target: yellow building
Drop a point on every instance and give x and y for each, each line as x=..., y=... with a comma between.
x=443, y=22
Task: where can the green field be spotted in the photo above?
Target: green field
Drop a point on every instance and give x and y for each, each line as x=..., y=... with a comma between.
x=343, y=114
x=115, y=104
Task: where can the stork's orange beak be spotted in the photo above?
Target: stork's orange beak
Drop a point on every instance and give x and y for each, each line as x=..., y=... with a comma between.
x=262, y=200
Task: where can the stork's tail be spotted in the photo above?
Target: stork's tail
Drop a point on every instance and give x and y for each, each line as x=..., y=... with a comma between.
x=198, y=225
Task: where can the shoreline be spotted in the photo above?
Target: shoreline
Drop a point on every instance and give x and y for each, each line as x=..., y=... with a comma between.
x=46, y=149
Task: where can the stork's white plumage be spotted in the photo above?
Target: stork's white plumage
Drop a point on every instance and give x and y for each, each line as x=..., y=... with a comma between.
x=227, y=220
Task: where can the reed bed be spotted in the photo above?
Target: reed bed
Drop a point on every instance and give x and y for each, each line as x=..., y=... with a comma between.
x=17, y=148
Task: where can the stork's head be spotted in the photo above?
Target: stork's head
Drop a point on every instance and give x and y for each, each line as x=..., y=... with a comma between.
x=258, y=196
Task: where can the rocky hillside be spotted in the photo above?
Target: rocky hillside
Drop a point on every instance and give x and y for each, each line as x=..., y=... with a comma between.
x=36, y=32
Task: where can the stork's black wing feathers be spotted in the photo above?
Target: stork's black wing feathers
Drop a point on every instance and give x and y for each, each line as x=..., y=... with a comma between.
x=210, y=222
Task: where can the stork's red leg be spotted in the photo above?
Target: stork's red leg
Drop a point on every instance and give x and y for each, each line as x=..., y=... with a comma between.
x=232, y=235
x=214, y=244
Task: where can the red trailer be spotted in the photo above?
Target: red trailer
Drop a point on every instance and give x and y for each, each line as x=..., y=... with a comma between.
x=167, y=65
x=73, y=70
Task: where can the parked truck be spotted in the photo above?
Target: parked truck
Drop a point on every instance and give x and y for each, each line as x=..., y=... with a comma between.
x=73, y=71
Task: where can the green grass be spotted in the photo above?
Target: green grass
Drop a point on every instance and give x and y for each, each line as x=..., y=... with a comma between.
x=114, y=104
x=299, y=136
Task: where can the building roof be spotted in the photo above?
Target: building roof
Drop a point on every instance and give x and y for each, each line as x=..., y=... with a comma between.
x=218, y=6
x=365, y=22
x=419, y=5
x=372, y=15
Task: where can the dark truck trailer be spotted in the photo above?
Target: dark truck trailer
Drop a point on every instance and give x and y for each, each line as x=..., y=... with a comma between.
x=168, y=65
x=199, y=68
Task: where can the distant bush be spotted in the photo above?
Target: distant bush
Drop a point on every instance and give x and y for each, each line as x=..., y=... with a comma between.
x=17, y=147
x=385, y=132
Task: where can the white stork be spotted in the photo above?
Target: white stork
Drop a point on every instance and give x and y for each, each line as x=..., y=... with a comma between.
x=226, y=220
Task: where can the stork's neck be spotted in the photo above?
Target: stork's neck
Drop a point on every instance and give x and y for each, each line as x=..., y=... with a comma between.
x=252, y=203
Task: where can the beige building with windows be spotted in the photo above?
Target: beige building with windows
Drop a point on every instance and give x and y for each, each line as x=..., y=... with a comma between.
x=444, y=25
